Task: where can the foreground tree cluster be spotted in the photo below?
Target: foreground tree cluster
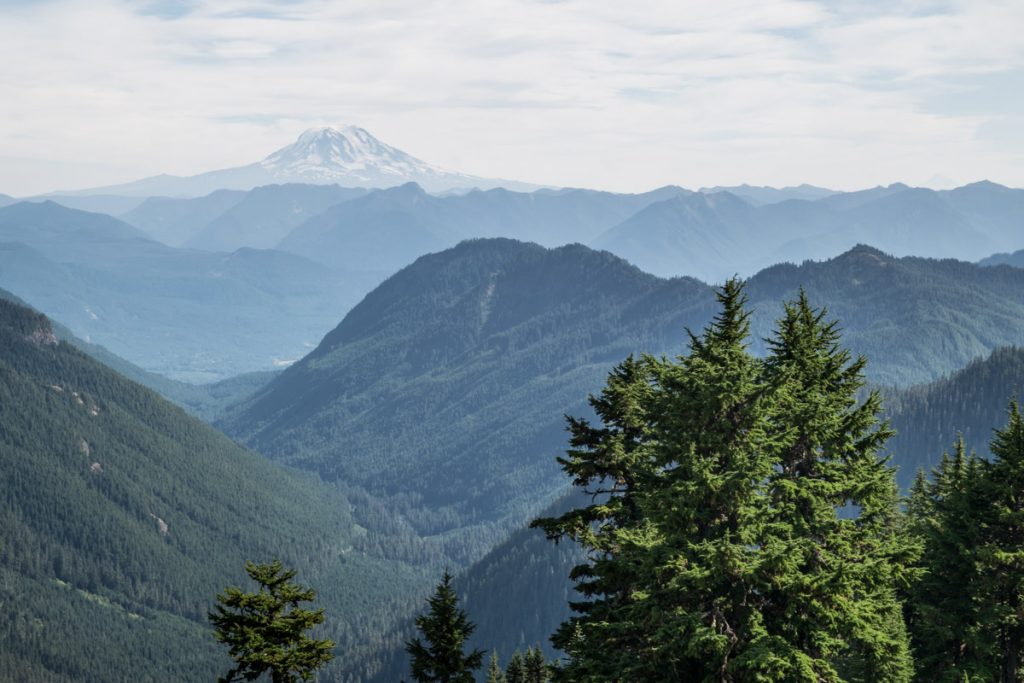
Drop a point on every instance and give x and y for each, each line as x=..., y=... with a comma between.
x=744, y=526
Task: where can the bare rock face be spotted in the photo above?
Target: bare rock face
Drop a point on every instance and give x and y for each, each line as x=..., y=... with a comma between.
x=161, y=525
x=43, y=337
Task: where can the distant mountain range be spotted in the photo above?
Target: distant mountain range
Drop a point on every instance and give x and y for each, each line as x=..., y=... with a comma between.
x=1015, y=259
x=332, y=244
x=711, y=236
x=193, y=315
x=760, y=195
x=668, y=232
x=346, y=155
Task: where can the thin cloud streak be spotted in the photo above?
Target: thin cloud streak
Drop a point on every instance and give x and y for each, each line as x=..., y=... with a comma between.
x=610, y=95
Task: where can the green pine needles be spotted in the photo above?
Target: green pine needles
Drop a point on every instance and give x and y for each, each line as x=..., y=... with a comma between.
x=266, y=630
x=744, y=526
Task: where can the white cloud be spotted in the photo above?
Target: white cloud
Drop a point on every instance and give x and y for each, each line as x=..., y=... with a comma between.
x=614, y=95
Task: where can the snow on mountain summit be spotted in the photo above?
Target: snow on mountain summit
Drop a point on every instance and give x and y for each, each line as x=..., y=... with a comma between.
x=345, y=155
x=350, y=155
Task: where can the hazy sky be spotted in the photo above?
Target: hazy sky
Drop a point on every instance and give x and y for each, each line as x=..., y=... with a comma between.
x=621, y=95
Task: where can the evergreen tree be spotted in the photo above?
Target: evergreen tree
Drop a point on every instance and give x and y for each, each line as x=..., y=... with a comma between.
x=609, y=462
x=494, y=673
x=536, y=667
x=833, y=608
x=446, y=629
x=947, y=610
x=1003, y=553
x=266, y=630
x=744, y=526
x=515, y=672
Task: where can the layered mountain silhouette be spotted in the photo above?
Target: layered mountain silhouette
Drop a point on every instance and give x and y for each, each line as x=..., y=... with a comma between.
x=195, y=315
x=668, y=232
x=346, y=155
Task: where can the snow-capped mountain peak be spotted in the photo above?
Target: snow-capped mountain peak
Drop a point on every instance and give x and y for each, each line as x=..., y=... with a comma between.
x=346, y=154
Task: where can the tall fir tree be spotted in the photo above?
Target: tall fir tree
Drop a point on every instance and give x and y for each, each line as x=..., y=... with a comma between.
x=494, y=672
x=1003, y=553
x=832, y=543
x=536, y=666
x=949, y=618
x=751, y=530
x=445, y=627
x=515, y=672
x=611, y=461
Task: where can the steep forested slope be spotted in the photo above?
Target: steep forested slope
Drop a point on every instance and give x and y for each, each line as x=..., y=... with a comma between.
x=972, y=401
x=916, y=319
x=206, y=401
x=121, y=517
x=444, y=390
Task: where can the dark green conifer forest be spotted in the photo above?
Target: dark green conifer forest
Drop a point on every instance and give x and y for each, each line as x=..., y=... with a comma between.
x=737, y=518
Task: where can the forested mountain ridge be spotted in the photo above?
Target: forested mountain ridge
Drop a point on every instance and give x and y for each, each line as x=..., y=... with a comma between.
x=916, y=319
x=443, y=390
x=970, y=402
x=122, y=517
x=205, y=401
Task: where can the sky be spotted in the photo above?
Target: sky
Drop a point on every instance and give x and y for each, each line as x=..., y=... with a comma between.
x=623, y=96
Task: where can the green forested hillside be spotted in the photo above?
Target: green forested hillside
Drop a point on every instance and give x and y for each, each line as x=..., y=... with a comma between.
x=971, y=402
x=916, y=319
x=121, y=517
x=443, y=390
x=206, y=401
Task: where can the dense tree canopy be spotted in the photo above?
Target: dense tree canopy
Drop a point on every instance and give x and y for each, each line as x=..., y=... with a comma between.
x=744, y=527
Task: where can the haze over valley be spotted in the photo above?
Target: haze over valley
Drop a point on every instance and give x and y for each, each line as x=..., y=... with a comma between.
x=375, y=343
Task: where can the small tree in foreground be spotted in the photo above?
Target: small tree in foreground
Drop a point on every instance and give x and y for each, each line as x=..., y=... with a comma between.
x=446, y=629
x=266, y=630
